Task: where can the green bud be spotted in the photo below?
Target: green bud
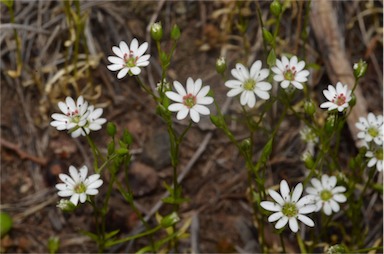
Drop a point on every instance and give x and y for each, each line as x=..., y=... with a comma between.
x=245, y=145
x=330, y=123
x=268, y=37
x=111, y=129
x=336, y=249
x=217, y=121
x=221, y=65
x=122, y=151
x=309, y=108
x=53, y=244
x=5, y=223
x=169, y=220
x=164, y=59
x=127, y=137
x=352, y=102
x=275, y=8
x=157, y=31
x=111, y=147
x=175, y=32
x=65, y=205
x=308, y=160
x=359, y=69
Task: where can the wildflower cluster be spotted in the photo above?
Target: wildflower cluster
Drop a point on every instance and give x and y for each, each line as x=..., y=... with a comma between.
x=371, y=133
x=323, y=193
x=78, y=118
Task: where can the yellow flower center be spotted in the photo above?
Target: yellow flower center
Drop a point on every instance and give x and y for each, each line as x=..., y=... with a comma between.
x=249, y=84
x=289, y=210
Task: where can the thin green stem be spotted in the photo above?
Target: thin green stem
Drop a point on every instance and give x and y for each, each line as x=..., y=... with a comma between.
x=129, y=238
x=282, y=242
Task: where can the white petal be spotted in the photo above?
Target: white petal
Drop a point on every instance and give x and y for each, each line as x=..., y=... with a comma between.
x=197, y=87
x=233, y=83
x=124, y=47
x=255, y=69
x=282, y=222
x=297, y=191
x=134, y=45
x=234, y=92
x=74, y=174
x=284, y=190
x=96, y=184
x=122, y=73
x=276, y=196
x=204, y=100
x=115, y=67
x=275, y=216
x=339, y=198
x=179, y=88
x=174, y=96
x=251, y=100
x=141, y=50
x=65, y=193
x=194, y=115
x=262, y=94
x=293, y=225
x=270, y=206
x=306, y=220
x=83, y=173
x=201, y=109
x=75, y=199
x=116, y=60
x=176, y=107
x=92, y=192
x=117, y=52
x=83, y=197
x=307, y=209
x=203, y=92
x=182, y=113
x=135, y=70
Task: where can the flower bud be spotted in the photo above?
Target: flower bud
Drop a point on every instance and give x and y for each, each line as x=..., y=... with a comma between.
x=275, y=8
x=122, y=151
x=157, y=31
x=245, y=145
x=127, y=137
x=111, y=129
x=352, y=102
x=309, y=108
x=336, y=249
x=221, y=65
x=169, y=220
x=175, y=32
x=359, y=69
x=65, y=205
x=308, y=160
x=268, y=37
x=330, y=123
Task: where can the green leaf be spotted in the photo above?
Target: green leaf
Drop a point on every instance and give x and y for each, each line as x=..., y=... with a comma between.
x=91, y=235
x=5, y=223
x=112, y=234
x=8, y=3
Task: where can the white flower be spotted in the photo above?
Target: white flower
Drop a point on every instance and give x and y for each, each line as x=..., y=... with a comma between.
x=190, y=101
x=94, y=121
x=249, y=83
x=78, y=118
x=376, y=158
x=128, y=59
x=288, y=208
x=337, y=98
x=290, y=72
x=77, y=185
x=75, y=114
x=326, y=194
x=371, y=128
x=308, y=135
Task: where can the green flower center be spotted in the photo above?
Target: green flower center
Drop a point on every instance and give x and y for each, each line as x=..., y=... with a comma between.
x=189, y=100
x=373, y=132
x=379, y=154
x=130, y=60
x=340, y=99
x=289, y=210
x=249, y=84
x=80, y=188
x=326, y=195
x=289, y=73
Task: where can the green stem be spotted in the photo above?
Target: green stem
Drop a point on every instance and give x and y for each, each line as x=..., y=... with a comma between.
x=129, y=238
x=301, y=243
x=146, y=89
